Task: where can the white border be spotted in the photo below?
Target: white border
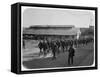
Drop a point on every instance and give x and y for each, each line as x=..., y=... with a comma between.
x=23, y=8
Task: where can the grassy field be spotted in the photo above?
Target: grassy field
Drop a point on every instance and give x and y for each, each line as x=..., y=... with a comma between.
x=84, y=56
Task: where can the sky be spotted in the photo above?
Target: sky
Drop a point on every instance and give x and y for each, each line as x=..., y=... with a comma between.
x=59, y=17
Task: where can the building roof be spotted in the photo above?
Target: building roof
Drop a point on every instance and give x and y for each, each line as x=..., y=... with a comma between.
x=51, y=31
x=51, y=27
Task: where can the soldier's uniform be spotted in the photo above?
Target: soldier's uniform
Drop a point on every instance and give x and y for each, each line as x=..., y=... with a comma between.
x=58, y=46
x=71, y=55
x=45, y=46
x=54, y=47
x=40, y=45
x=63, y=45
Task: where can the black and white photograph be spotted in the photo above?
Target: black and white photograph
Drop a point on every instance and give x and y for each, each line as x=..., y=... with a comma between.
x=55, y=38
x=52, y=38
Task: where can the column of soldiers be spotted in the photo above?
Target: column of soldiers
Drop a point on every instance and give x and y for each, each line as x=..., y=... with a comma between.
x=61, y=45
x=54, y=46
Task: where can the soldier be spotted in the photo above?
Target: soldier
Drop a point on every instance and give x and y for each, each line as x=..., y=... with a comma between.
x=71, y=55
x=53, y=47
x=66, y=45
x=58, y=45
x=48, y=45
x=40, y=45
x=45, y=46
x=75, y=42
x=63, y=45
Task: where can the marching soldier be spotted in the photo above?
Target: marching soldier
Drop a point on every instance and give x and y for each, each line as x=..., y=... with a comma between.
x=54, y=47
x=48, y=46
x=63, y=45
x=71, y=55
x=45, y=46
x=58, y=45
x=40, y=45
x=66, y=45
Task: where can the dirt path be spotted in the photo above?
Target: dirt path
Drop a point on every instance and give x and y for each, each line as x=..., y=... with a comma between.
x=83, y=57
